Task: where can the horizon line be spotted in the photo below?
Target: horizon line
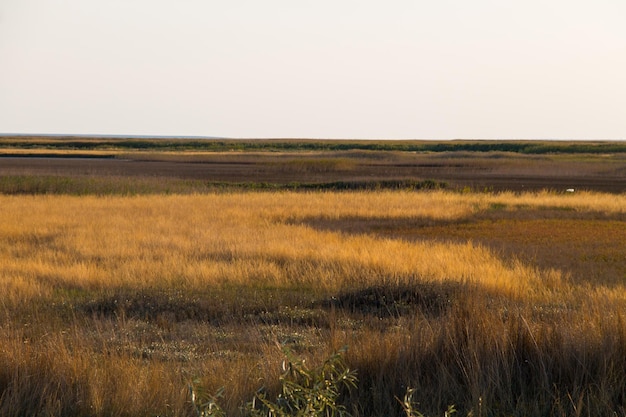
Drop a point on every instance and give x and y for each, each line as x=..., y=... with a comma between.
x=203, y=137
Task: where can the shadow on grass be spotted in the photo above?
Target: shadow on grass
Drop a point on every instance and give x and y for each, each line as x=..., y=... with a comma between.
x=383, y=301
x=587, y=245
x=273, y=306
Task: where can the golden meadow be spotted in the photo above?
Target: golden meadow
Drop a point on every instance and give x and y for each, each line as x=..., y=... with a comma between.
x=111, y=305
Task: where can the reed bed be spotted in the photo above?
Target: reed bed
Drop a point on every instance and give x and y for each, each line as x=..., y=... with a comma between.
x=112, y=304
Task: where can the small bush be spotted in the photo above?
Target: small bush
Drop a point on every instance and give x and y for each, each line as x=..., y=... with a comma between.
x=304, y=392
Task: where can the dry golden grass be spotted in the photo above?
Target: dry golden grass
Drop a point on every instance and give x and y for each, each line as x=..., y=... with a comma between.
x=110, y=304
x=57, y=152
x=254, y=238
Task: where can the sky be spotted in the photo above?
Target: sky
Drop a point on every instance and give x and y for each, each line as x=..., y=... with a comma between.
x=340, y=69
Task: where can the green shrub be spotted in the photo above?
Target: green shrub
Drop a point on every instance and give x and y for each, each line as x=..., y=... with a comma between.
x=304, y=392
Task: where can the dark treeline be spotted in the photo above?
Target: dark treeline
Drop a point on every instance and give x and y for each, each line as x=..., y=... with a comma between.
x=522, y=147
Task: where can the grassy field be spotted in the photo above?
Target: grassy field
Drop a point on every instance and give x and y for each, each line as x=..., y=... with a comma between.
x=114, y=297
x=76, y=143
x=142, y=166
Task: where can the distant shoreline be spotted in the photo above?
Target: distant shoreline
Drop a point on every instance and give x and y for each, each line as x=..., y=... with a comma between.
x=104, y=136
x=201, y=137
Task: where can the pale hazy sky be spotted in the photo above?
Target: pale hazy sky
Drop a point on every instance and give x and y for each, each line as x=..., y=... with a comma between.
x=399, y=69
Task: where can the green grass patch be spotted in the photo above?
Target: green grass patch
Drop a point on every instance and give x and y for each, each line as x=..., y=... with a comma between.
x=76, y=185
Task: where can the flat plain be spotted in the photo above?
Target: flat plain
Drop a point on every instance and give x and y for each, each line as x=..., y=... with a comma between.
x=491, y=278
x=531, y=166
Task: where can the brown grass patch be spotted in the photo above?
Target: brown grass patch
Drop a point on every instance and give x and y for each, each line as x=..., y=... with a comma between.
x=110, y=305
